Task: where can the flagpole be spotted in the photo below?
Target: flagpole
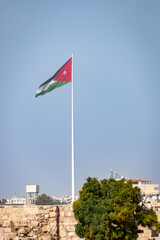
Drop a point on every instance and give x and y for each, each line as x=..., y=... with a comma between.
x=73, y=194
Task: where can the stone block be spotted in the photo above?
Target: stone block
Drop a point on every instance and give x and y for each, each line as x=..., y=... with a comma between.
x=53, y=214
x=71, y=234
x=36, y=230
x=53, y=230
x=52, y=225
x=45, y=207
x=46, y=216
x=65, y=220
x=22, y=231
x=28, y=211
x=45, y=228
x=41, y=219
x=2, y=236
x=34, y=224
x=7, y=230
x=61, y=214
x=17, y=210
x=47, y=237
x=62, y=233
x=33, y=235
x=5, y=218
x=5, y=224
x=8, y=237
x=70, y=228
x=23, y=223
x=8, y=211
x=68, y=214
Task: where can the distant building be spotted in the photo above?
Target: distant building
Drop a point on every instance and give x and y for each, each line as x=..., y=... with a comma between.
x=146, y=187
x=66, y=199
x=16, y=200
x=32, y=194
x=115, y=174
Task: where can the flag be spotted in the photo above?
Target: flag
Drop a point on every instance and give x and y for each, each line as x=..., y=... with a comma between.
x=60, y=78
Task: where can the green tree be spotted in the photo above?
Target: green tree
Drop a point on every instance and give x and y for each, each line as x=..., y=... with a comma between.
x=110, y=209
x=45, y=200
x=3, y=201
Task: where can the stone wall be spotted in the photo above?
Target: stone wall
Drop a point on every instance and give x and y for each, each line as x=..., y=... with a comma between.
x=24, y=222
x=67, y=223
x=37, y=223
x=41, y=223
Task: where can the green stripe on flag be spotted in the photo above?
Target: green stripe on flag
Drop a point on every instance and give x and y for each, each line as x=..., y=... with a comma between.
x=52, y=86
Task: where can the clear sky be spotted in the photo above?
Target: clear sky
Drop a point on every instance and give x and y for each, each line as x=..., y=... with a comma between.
x=117, y=102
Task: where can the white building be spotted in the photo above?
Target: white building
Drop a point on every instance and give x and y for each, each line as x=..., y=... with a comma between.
x=16, y=200
x=66, y=199
x=31, y=193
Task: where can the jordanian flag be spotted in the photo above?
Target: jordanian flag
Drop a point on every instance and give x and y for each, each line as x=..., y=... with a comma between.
x=60, y=78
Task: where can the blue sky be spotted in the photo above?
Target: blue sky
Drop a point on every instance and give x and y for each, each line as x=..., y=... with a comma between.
x=117, y=101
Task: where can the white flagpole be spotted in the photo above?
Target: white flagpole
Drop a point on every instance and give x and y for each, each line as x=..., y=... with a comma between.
x=73, y=194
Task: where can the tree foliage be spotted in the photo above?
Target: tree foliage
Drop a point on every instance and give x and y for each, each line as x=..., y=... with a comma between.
x=45, y=200
x=3, y=201
x=110, y=209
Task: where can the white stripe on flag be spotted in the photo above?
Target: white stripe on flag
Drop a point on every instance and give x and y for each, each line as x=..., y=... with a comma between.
x=45, y=86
